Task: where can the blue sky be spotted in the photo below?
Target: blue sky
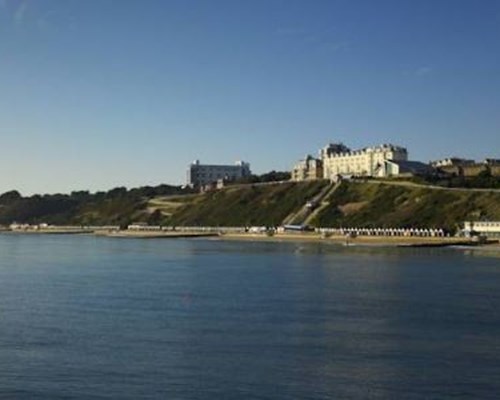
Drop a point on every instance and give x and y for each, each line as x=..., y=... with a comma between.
x=101, y=93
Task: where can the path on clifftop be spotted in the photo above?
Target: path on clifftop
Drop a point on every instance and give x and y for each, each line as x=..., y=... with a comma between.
x=424, y=186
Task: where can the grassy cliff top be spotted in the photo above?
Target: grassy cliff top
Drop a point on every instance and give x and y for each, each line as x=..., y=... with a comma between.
x=374, y=204
x=244, y=205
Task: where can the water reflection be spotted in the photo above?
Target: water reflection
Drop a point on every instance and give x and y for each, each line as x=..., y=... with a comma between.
x=197, y=319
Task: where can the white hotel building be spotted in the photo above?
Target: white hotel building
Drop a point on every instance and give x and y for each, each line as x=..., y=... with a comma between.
x=340, y=160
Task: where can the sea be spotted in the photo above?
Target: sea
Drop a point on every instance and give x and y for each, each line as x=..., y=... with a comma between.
x=84, y=317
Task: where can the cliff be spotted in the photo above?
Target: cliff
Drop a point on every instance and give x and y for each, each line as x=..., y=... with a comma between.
x=318, y=203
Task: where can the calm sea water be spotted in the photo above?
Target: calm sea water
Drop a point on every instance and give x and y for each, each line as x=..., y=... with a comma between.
x=95, y=318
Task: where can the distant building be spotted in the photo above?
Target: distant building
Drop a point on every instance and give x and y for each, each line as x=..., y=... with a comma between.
x=309, y=168
x=199, y=175
x=340, y=160
x=403, y=169
x=493, y=165
x=451, y=161
x=467, y=168
x=492, y=161
x=483, y=228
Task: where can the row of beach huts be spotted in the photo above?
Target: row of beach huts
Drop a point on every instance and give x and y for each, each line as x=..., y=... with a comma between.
x=488, y=229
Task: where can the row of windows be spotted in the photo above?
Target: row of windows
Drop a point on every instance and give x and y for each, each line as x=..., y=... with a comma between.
x=487, y=224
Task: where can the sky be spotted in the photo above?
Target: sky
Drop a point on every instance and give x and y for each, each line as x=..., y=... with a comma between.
x=96, y=94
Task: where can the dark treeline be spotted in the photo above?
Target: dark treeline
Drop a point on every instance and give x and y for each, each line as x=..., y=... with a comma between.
x=117, y=206
x=272, y=176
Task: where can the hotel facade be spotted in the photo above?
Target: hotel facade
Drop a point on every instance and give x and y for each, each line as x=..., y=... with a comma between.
x=340, y=160
x=308, y=169
x=336, y=159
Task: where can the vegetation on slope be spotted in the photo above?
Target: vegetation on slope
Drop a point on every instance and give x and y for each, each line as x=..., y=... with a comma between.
x=118, y=206
x=245, y=205
x=359, y=204
x=373, y=204
x=272, y=176
x=484, y=180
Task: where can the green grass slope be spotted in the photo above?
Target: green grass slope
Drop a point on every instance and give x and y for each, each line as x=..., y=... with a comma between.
x=371, y=204
x=118, y=206
x=243, y=205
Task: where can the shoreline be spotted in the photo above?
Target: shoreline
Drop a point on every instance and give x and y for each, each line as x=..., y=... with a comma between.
x=50, y=232
x=155, y=234
x=372, y=241
x=305, y=237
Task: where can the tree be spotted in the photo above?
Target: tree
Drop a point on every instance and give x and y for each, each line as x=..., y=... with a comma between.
x=155, y=218
x=10, y=197
x=117, y=192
